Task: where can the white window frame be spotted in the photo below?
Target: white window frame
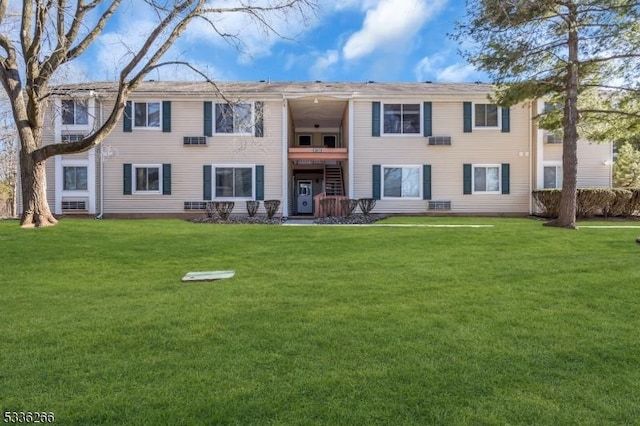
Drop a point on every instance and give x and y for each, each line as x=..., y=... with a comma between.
x=498, y=126
x=558, y=166
x=215, y=167
x=134, y=179
x=147, y=127
x=251, y=125
x=75, y=191
x=402, y=134
x=485, y=166
x=401, y=166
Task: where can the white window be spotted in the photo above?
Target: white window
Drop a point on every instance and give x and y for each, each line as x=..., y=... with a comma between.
x=486, y=115
x=401, y=119
x=402, y=182
x=234, y=118
x=232, y=182
x=486, y=179
x=552, y=177
x=553, y=137
x=74, y=178
x=147, y=178
x=75, y=112
x=147, y=115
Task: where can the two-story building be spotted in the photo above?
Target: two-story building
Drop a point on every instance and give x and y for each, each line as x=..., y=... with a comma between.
x=417, y=148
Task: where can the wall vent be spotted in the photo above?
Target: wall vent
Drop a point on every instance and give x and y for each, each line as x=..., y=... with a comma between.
x=439, y=140
x=194, y=140
x=440, y=205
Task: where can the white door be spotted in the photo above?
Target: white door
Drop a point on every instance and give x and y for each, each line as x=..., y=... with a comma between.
x=305, y=197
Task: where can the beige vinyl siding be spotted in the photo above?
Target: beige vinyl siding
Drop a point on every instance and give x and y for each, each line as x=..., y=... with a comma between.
x=592, y=172
x=143, y=146
x=482, y=146
x=552, y=151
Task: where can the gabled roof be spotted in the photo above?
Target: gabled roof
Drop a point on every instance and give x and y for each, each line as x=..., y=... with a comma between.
x=287, y=89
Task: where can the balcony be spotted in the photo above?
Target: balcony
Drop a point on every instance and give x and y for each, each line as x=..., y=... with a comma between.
x=318, y=153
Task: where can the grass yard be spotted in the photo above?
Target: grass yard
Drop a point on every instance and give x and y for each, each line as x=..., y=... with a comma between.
x=511, y=324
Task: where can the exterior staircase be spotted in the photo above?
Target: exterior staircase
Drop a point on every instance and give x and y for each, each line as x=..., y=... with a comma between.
x=333, y=180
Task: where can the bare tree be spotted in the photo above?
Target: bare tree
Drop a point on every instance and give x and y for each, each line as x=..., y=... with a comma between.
x=54, y=33
x=8, y=160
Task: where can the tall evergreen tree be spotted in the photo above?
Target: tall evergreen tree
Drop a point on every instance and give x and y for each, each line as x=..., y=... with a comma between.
x=626, y=171
x=570, y=50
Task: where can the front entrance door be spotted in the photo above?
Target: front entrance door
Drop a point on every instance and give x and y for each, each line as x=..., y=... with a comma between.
x=305, y=197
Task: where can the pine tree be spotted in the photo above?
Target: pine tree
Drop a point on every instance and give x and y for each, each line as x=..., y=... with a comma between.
x=626, y=171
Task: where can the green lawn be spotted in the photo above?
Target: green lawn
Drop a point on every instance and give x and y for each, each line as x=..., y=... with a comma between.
x=511, y=324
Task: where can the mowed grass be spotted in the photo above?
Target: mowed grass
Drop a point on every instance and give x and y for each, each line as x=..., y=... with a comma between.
x=511, y=324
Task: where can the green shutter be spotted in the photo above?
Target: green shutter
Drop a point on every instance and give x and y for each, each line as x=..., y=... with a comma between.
x=506, y=120
x=505, y=178
x=166, y=116
x=259, y=120
x=166, y=179
x=428, y=126
x=259, y=183
x=126, y=173
x=466, y=178
x=376, y=182
x=126, y=118
x=426, y=181
x=208, y=118
x=467, y=117
x=206, y=183
x=375, y=120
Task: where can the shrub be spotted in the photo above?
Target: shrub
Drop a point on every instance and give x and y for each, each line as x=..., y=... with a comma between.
x=271, y=206
x=366, y=205
x=252, y=208
x=348, y=206
x=619, y=205
x=548, y=202
x=211, y=211
x=591, y=201
x=223, y=208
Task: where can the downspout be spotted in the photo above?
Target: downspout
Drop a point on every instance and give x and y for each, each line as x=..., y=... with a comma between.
x=350, y=153
x=285, y=158
x=100, y=154
x=531, y=104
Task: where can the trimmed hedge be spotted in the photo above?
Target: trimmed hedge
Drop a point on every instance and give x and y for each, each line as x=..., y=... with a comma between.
x=618, y=202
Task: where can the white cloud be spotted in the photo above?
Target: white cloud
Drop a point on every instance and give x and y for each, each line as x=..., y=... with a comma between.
x=435, y=68
x=250, y=36
x=323, y=64
x=390, y=25
x=456, y=73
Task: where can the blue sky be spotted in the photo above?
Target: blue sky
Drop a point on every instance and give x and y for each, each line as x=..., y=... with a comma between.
x=347, y=40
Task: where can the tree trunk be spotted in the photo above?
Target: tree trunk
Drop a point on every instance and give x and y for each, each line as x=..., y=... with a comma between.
x=35, y=209
x=567, y=210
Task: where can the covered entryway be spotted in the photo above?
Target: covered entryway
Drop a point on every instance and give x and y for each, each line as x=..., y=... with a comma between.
x=318, y=141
